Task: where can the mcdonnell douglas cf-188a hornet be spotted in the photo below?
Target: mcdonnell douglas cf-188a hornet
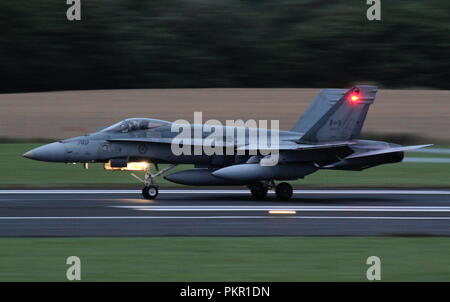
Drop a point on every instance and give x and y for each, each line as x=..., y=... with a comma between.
x=325, y=137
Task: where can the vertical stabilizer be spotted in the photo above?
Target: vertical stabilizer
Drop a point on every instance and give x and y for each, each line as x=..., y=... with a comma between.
x=336, y=114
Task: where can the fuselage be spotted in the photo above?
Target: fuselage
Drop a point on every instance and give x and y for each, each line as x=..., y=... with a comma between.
x=106, y=144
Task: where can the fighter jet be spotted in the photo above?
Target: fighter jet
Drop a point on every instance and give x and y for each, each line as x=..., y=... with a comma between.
x=325, y=137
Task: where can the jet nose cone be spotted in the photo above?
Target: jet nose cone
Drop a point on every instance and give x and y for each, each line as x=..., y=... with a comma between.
x=28, y=154
x=55, y=152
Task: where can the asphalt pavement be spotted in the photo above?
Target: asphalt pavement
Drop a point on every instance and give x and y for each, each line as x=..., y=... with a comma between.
x=319, y=212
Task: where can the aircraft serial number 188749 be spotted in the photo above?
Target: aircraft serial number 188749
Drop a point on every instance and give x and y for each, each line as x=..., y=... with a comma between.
x=325, y=137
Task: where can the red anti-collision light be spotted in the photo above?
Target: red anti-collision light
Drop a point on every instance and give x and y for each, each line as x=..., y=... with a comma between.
x=354, y=98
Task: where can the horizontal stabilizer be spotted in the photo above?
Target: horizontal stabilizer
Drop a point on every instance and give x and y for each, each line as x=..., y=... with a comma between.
x=385, y=151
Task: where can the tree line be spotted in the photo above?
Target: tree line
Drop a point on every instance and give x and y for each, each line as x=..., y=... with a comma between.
x=231, y=43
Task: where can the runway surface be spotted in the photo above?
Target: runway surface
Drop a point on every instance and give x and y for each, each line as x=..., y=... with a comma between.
x=223, y=213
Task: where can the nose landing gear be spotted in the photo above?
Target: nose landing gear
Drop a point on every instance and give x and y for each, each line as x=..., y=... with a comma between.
x=150, y=189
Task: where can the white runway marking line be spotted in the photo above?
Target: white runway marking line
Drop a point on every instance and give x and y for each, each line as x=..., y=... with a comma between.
x=222, y=217
x=285, y=208
x=242, y=191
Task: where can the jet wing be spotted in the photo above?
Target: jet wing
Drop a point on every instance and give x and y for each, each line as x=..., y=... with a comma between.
x=386, y=150
x=284, y=145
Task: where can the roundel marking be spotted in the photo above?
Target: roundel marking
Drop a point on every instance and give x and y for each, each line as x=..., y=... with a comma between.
x=142, y=148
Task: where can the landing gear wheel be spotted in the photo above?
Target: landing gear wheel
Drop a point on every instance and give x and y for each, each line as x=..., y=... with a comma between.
x=258, y=191
x=283, y=191
x=150, y=192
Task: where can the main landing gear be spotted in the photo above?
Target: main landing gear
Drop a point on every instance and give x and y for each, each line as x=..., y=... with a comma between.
x=150, y=189
x=259, y=190
x=283, y=191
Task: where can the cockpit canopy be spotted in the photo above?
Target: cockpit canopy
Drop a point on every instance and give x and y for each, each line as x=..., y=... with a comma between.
x=133, y=124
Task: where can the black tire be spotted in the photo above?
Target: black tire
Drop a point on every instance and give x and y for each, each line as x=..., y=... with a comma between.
x=283, y=191
x=150, y=192
x=258, y=191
